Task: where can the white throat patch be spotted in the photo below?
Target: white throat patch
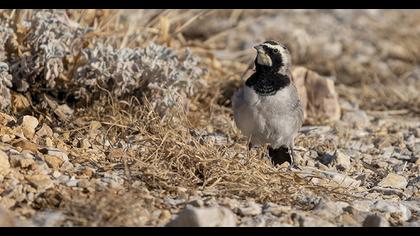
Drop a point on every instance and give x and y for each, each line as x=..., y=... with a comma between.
x=282, y=51
x=264, y=59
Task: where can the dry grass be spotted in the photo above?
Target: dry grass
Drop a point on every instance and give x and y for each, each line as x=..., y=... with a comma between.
x=173, y=150
x=165, y=153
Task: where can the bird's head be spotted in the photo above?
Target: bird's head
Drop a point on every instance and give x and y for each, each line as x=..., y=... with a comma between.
x=273, y=56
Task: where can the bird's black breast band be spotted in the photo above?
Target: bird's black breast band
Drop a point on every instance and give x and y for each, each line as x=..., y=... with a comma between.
x=267, y=84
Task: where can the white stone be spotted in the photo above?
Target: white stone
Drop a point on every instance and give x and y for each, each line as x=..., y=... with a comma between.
x=29, y=123
x=204, y=217
x=57, y=153
x=392, y=207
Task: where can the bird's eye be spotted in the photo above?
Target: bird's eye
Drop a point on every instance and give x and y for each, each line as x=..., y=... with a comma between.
x=276, y=50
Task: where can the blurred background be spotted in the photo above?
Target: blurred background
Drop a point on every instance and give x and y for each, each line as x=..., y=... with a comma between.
x=375, y=50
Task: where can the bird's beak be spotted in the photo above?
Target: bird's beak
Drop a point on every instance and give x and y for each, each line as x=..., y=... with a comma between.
x=259, y=48
x=262, y=57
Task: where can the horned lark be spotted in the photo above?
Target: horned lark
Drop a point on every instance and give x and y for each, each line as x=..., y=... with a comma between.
x=267, y=108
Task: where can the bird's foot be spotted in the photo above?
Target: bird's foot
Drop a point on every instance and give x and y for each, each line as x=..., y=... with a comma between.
x=293, y=167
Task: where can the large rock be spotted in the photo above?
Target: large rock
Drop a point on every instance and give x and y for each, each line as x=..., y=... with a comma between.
x=317, y=94
x=299, y=75
x=204, y=217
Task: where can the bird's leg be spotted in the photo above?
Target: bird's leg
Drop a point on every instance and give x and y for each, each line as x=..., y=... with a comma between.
x=249, y=144
x=292, y=154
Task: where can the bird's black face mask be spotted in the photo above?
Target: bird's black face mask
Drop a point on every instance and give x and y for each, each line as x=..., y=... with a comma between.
x=268, y=59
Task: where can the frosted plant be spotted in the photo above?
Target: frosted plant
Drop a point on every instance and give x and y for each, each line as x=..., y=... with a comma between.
x=52, y=37
x=38, y=61
x=155, y=70
x=5, y=77
x=5, y=85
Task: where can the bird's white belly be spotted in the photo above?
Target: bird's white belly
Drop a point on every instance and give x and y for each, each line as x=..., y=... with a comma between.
x=266, y=119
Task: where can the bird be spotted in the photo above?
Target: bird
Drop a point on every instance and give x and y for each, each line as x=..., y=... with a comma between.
x=267, y=108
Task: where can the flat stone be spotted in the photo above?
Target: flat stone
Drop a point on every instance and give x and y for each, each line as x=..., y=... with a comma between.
x=252, y=209
x=53, y=161
x=394, y=181
x=55, y=152
x=40, y=181
x=27, y=145
x=204, y=217
x=341, y=179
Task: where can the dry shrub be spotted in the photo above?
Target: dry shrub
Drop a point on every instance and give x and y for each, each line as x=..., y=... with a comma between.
x=76, y=61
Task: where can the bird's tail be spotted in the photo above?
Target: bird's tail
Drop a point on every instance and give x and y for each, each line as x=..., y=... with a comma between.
x=280, y=155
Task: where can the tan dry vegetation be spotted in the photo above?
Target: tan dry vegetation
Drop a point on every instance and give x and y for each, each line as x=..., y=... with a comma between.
x=180, y=152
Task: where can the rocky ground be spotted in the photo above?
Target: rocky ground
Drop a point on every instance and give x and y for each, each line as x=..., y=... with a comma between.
x=170, y=155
